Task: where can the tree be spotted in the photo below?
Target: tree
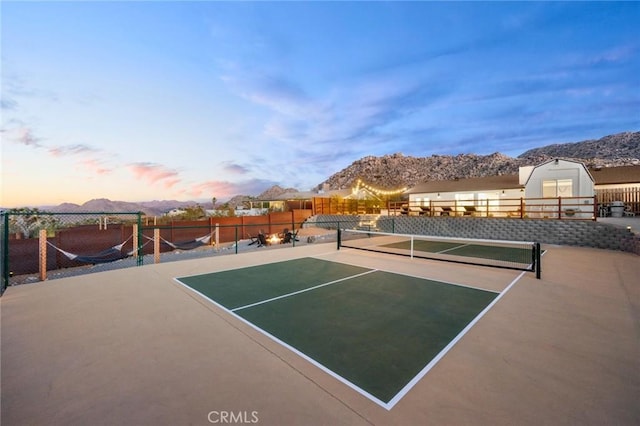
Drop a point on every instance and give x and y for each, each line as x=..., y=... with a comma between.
x=28, y=222
x=193, y=213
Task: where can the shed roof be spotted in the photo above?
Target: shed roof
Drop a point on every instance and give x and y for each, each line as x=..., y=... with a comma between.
x=616, y=175
x=469, y=184
x=563, y=160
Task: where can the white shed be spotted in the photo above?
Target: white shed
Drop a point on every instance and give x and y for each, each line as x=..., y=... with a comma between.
x=560, y=185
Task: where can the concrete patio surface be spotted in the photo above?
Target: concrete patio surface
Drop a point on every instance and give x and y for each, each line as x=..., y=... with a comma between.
x=133, y=347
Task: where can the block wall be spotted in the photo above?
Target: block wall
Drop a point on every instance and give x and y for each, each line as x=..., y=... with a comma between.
x=560, y=232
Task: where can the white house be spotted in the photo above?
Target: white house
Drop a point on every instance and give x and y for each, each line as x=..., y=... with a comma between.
x=506, y=195
x=483, y=196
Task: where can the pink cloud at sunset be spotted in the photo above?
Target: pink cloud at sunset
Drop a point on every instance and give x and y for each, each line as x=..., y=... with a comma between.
x=21, y=136
x=154, y=173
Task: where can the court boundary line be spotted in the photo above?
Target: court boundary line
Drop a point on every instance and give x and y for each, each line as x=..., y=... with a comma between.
x=302, y=291
x=410, y=384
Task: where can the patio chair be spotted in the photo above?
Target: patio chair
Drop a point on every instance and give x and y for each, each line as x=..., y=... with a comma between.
x=262, y=240
x=288, y=236
x=254, y=240
x=470, y=211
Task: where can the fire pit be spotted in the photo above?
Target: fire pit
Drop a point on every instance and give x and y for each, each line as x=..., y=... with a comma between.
x=274, y=239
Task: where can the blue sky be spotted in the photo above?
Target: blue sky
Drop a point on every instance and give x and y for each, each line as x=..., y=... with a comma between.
x=137, y=101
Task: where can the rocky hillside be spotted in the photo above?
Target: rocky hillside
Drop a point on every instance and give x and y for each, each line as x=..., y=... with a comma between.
x=613, y=150
x=397, y=170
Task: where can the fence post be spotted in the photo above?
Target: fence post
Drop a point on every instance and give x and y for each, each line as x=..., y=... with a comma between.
x=156, y=245
x=217, y=231
x=559, y=207
x=43, y=254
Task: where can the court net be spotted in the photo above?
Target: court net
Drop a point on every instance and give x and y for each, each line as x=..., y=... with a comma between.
x=518, y=255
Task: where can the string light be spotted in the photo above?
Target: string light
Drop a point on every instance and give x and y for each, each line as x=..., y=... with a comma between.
x=376, y=191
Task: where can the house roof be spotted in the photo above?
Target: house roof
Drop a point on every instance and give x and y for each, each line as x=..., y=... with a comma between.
x=616, y=175
x=470, y=184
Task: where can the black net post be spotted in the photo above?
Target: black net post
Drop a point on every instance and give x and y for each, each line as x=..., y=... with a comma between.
x=4, y=252
x=538, y=263
x=140, y=258
x=339, y=237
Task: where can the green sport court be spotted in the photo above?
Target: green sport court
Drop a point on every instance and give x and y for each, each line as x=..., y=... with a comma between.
x=378, y=332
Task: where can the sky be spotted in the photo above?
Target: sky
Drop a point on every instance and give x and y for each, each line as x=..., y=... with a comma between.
x=160, y=100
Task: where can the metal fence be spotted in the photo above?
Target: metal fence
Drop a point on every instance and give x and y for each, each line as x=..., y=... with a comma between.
x=42, y=245
x=568, y=208
x=36, y=242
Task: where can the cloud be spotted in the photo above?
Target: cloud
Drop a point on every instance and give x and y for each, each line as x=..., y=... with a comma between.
x=277, y=93
x=21, y=136
x=234, y=168
x=76, y=149
x=613, y=55
x=96, y=166
x=8, y=104
x=154, y=173
x=223, y=189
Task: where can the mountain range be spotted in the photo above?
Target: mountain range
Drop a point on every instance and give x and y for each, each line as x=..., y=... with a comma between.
x=397, y=170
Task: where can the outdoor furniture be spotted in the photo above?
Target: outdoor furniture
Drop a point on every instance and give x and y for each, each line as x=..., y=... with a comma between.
x=628, y=212
x=425, y=210
x=446, y=211
x=415, y=211
x=262, y=240
x=288, y=236
x=254, y=240
x=470, y=211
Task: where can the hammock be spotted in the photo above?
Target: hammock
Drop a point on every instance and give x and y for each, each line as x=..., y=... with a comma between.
x=109, y=255
x=187, y=245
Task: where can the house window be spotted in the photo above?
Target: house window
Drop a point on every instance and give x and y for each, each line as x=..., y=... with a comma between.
x=557, y=188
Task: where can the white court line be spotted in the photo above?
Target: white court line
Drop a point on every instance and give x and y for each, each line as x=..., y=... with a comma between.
x=303, y=290
x=452, y=248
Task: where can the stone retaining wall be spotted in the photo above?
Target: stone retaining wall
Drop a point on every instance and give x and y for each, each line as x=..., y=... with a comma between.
x=560, y=232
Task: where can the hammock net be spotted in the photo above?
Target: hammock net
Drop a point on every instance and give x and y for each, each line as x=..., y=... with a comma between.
x=188, y=245
x=109, y=255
